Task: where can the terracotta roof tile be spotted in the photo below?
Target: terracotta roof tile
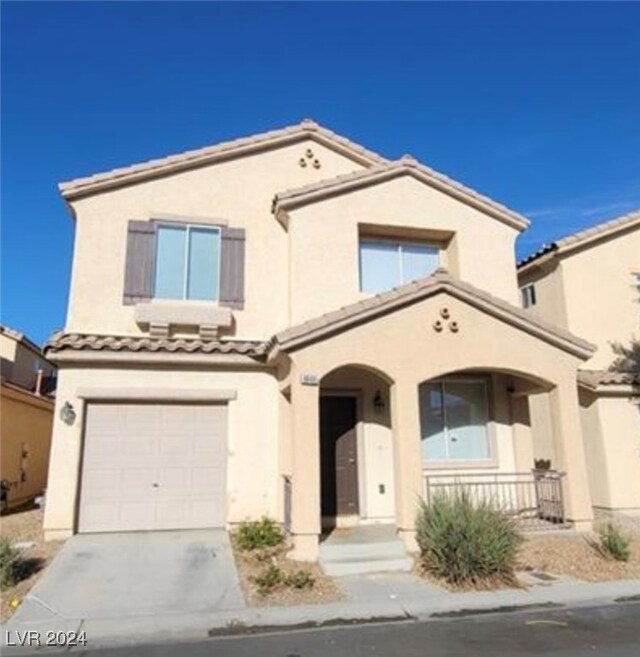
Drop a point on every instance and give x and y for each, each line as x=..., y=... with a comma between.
x=584, y=237
x=386, y=171
x=595, y=378
x=76, y=341
x=197, y=157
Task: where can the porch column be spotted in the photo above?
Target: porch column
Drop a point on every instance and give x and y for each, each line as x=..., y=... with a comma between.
x=570, y=452
x=305, y=480
x=405, y=420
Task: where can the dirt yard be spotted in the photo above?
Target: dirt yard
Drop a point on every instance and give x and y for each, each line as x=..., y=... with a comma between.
x=574, y=556
x=253, y=564
x=25, y=525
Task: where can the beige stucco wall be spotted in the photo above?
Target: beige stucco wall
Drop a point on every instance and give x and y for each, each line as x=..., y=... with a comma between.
x=253, y=468
x=239, y=191
x=482, y=343
x=591, y=292
x=290, y=276
x=25, y=426
x=324, y=242
x=611, y=429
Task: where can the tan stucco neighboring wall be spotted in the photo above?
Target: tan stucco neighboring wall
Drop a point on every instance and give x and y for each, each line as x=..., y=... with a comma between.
x=239, y=191
x=253, y=464
x=324, y=267
x=550, y=295
x=591, y=292
x=25, y=430
x=20, y=363
x=611, y=429
x=602, y=303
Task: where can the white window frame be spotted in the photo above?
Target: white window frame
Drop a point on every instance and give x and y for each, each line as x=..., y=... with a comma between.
x=528, y=295
x=448, y=461
x=185, y=274
x=398, y=243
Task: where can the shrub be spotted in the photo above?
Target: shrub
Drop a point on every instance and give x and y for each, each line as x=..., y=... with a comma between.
x=614, y=543
x=466, y=542
x=300, y=579
x=259, y=534
x=269, y=579
x=11, y=564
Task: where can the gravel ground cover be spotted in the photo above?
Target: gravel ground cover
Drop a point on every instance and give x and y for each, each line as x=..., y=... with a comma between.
x=254, y=564
x=575, y=556
x=26, y=526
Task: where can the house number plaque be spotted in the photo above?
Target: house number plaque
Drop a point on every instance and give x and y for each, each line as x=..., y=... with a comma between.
x=309, y=379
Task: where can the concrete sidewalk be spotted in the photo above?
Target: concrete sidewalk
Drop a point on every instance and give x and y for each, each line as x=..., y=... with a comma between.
x=373, y=598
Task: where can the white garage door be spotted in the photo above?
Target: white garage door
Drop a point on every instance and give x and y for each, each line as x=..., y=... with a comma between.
x=153, y=466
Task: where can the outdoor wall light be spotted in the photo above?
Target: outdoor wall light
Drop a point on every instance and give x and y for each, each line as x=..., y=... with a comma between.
x=378, y=402
x=67, y=413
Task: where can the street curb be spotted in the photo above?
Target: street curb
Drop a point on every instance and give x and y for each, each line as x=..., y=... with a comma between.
x=200, y=626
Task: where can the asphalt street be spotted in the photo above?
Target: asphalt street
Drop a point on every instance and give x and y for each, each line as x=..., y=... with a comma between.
x=612, y=631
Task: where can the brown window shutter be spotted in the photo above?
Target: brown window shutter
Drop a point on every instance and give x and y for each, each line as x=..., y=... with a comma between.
x=140, y=264
x=232, y=267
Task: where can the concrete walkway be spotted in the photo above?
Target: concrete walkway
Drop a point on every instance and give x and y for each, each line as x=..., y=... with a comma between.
x=369, y=598
x=109, y=579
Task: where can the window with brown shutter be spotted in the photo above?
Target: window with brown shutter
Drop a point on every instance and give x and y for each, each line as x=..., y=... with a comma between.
x=141, y=268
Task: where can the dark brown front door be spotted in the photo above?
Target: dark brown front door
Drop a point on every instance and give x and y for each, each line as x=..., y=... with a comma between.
x=339, y=456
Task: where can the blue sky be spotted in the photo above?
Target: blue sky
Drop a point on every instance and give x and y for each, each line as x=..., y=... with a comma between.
x=535, y=105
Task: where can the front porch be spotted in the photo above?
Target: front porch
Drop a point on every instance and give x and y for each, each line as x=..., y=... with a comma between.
x=383, y=413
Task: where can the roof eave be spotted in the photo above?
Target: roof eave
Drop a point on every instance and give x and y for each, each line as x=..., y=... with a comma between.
x=390, y=302
x=97, y=183
x=293, y=200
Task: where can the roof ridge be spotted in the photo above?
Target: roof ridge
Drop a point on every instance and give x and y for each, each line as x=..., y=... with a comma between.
x=405, y=164
x=76, y=186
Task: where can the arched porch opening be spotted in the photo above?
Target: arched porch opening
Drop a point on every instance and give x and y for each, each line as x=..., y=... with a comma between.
x=356, y=448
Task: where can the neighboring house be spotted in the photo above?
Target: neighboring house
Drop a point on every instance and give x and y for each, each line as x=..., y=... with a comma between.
x=291, y=325
x=28, y=381
x=589, y=283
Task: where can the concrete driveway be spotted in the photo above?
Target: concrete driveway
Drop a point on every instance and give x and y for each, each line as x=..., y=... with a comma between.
x=118, y=576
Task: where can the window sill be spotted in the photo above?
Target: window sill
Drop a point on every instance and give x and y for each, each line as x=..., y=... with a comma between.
x=183, y=313
x=480, y=464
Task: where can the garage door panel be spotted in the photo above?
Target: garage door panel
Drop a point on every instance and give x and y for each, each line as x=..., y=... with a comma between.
x=139, y=447
x=136, y=483
x=153, y=466
x=135, y=515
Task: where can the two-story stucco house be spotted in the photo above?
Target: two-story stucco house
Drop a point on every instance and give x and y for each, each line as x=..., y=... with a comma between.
x=292, y=325
x=589, y=283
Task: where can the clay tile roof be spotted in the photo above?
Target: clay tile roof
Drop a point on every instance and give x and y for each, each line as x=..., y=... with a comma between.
x=585, y=237
x=440, y=281
x=76, y=341
x=594, y=378
x=388, y=170
x=209, y=154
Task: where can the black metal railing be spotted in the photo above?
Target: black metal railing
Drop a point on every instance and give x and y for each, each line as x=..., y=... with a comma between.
x=535, y=499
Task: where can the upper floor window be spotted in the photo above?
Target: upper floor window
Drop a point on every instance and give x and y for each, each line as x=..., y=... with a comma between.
x=385, y=264
x=187, y=263
x=528, y=295
x=453, y=416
